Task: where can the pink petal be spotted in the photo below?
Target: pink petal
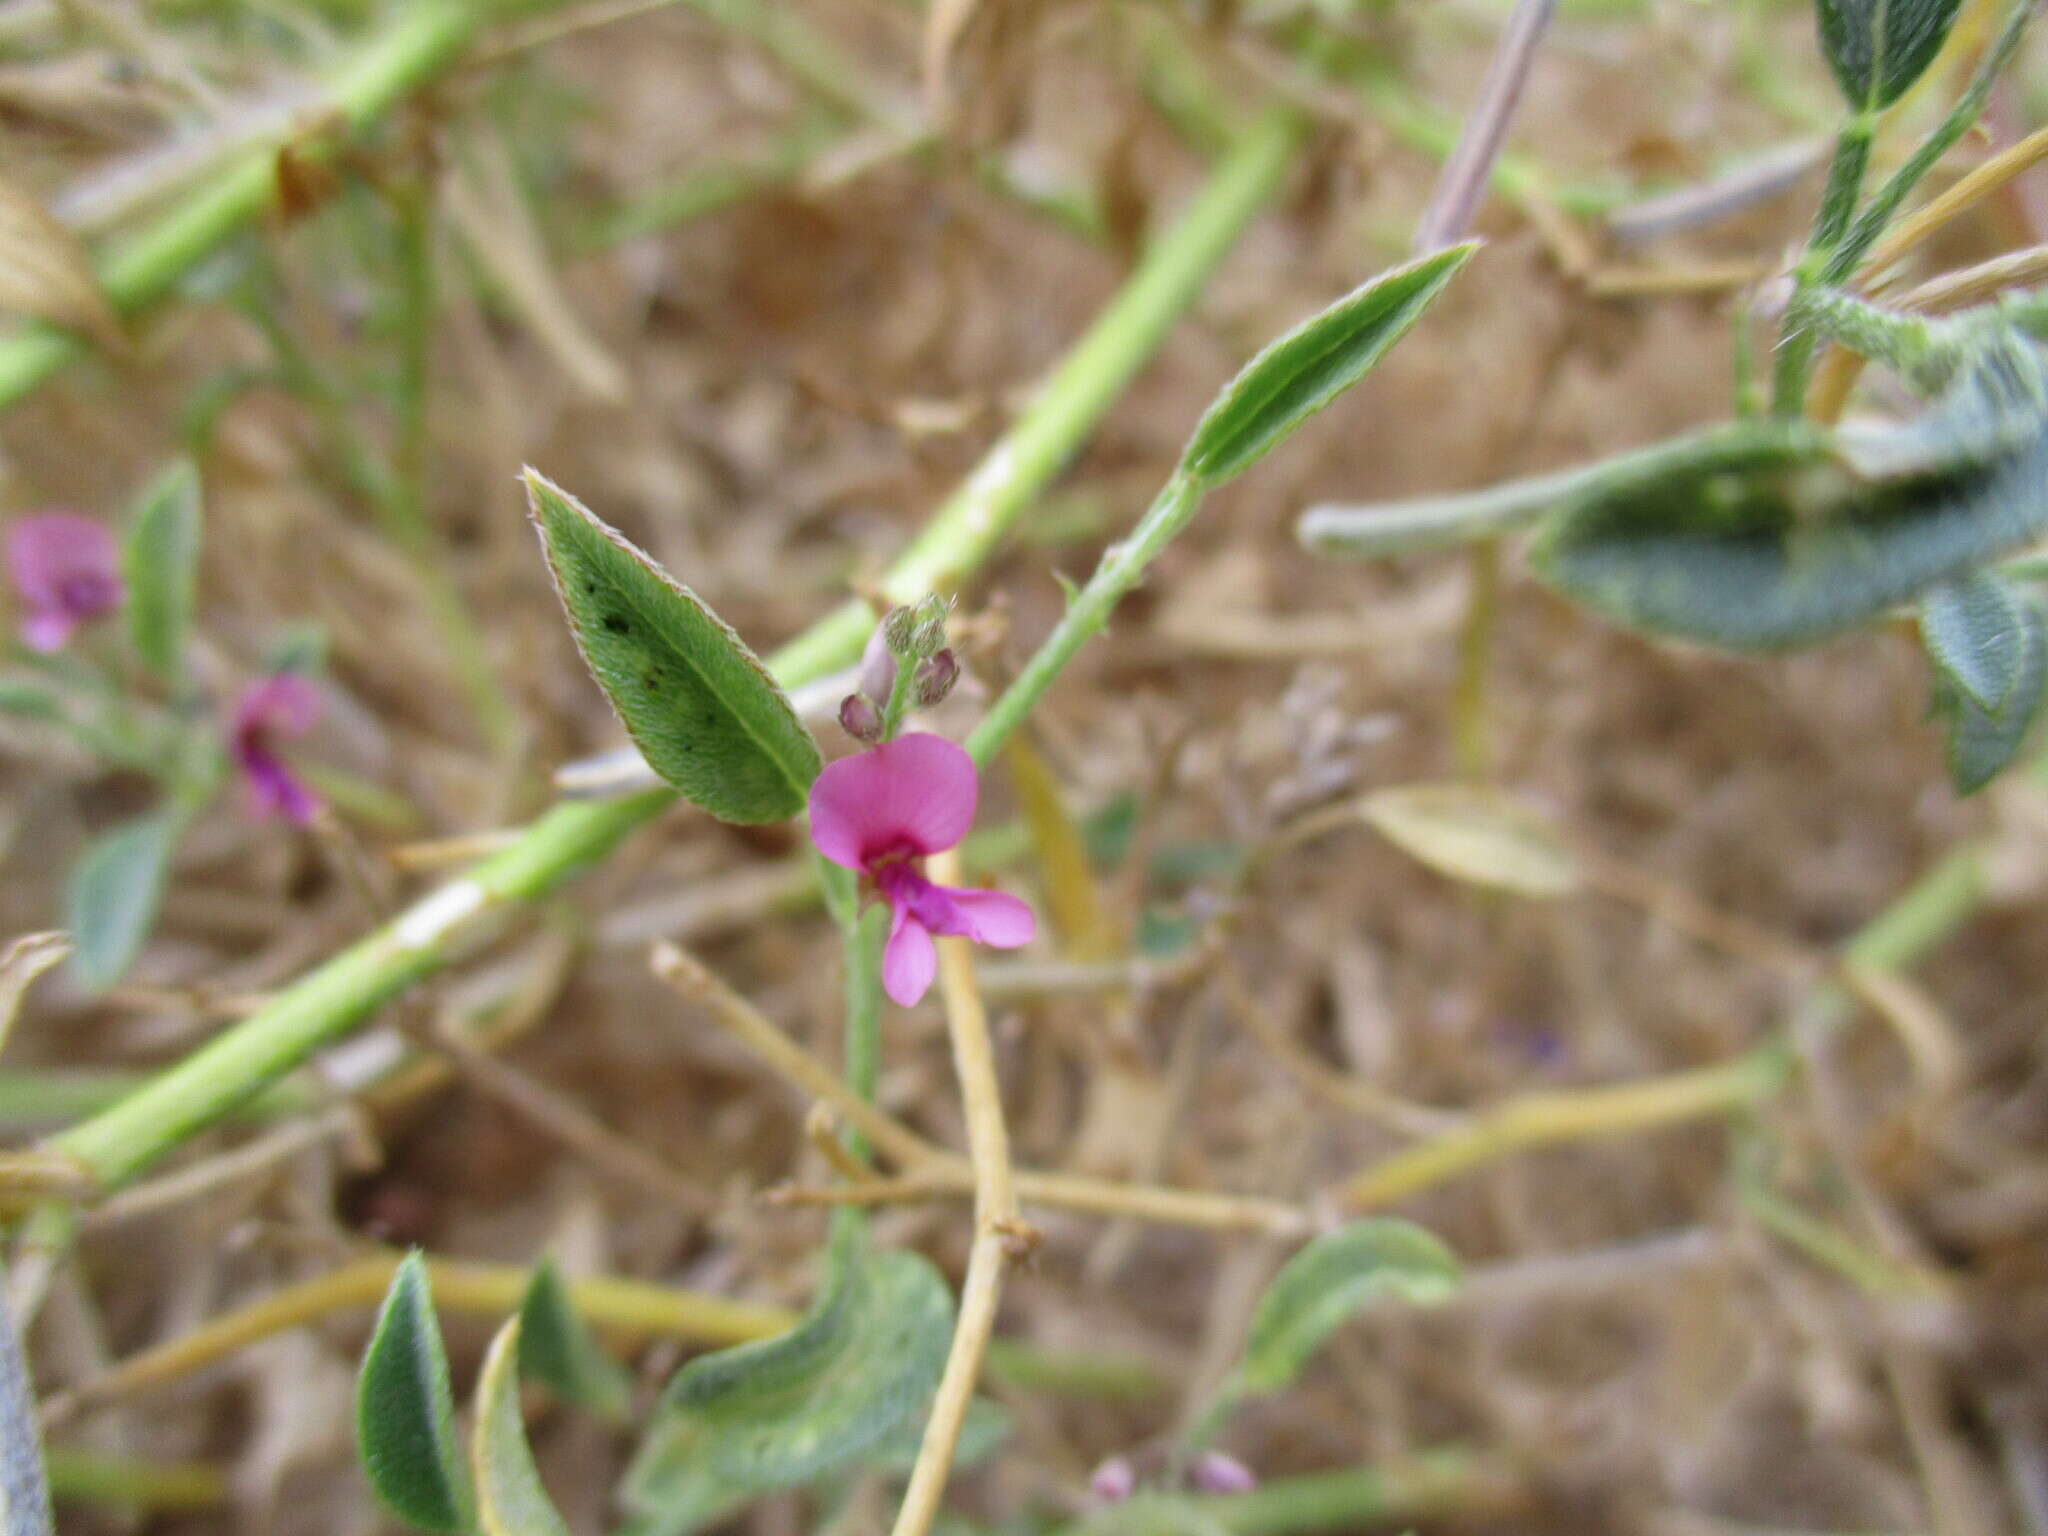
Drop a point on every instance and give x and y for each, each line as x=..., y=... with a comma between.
x=285, y=703
x=909, y=961
x=914, y=795
x=990, y=917
x=59, y=556
x=47, y=629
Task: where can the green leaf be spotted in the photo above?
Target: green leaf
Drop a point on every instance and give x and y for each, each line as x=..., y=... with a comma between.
x=1476, y=834
x=31, y=701
x=1982, y=744
x=510, y=1500
x=160, y=563
x=1995, y=404
x=698, y=704
x=987, y=1425
x=670, y=1488
x=1304, y=370
x=782, y=1410
x=1878, y=48
x=558, y=1350
x=405, y=1412
x=1333, y=1277
x=1975, y=630
x=1769, y=557
x=115, y=891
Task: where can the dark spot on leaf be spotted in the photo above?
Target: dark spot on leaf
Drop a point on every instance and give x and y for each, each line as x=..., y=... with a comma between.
x=616, y=624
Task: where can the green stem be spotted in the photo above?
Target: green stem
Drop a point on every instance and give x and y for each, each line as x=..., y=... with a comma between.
x=148, y=265
x=864, y=938
x=340, y=994
x=963, y=533
x=1796, y=341
x=1121, y=567
x=1358, y=1498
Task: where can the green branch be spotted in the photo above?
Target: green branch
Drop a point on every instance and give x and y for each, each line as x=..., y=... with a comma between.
x=340, y=994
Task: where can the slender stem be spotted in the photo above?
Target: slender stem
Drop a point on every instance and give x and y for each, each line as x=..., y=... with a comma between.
x=995, y=1227
x=1470, y=743
x=1831, y=222
x=420, y=43
x=1120, y=569
x=1436, y=1482
x=863, y=947
x=348, y=988
x=131, y=1483
x=1469, y=171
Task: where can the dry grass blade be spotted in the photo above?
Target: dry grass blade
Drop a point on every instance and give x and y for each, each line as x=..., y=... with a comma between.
x=21, y=963
x=944, y=25
x=45, y=273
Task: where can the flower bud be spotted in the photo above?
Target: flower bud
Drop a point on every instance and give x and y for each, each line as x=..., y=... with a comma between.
x=860, y=719
x=1216, y=1472
x=1113, y=1481
x=878, y=661
x=896, y=628
x=928, y=631
x=935, y=678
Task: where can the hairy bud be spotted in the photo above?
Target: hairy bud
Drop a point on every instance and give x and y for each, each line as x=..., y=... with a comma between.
x=860, y=719
x=935, y=678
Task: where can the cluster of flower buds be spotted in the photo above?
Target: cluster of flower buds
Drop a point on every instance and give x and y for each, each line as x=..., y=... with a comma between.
x=1213, y=1472
x=913, y=637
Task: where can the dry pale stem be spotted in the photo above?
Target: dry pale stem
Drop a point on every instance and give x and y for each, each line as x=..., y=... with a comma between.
x=995, y=1222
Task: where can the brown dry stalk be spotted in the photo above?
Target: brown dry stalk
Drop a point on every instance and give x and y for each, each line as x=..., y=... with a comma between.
x=995, y=1224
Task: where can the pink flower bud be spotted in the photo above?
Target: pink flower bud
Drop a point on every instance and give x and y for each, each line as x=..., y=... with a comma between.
x=1114, y=1481
x=935, y=678
x=859, y=718
x=1216, y=1472
x=878, y=661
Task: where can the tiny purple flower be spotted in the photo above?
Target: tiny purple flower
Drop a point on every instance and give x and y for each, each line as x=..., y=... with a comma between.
x=880, y=813
x=1216, y=1472
x=68, y=572
x=1114, y=1481
x=282, y=706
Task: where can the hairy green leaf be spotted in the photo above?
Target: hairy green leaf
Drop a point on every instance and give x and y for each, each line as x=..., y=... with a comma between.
x=1995, y=404
x=1476, y=834
x=1975, y=628
x=559, y=1351
x=1981, y=744
x=1767, y=557
x=160, y=563
x=782, y=1410
x=987, y=1425
x=698, y=704
x=1878, y=48
x=116, y=889
x=670, y=1488
x=405, y=1412
x=1333, y=1277
x=1298, y=374
x=510, y=1500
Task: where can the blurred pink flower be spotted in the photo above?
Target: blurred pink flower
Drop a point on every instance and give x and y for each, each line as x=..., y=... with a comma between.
x=285, y=705
x=1219, y=1472
x=1114, y=1481
x=68, y=572
x=881, y=812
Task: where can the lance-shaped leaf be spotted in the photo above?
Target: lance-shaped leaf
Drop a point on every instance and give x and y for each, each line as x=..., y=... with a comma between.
x=160, y=565
x=1975, y=630
x=698, y=704
x=116, y=889
x=1878, y=48
x=1771, y=557
x=1981, y=744
x=782, y=1410
x=558, y=1350
x=670, y=1488
x=1475, y=834
x=405, y=1412
x=1304, y=370
x=1332, y=1278
x=510, y=1500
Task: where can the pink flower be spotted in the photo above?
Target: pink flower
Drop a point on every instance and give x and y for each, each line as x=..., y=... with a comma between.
x=1219, y=1472
x=285, y=705
x=68, y=573
x=881, y=812
x=1114, y=1481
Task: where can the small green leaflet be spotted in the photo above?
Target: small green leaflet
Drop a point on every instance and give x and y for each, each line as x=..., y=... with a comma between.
x=1975, y=630
x=782, y=1410
x=160, y=564
x=1768, y=558
x=509, y=1498
x=558, y=1350
x=405, y=1412
x=1878, y=48
x=1333, y=1277
x=698, y=704
x=1476, y=834
x=115, y=891
x=1982, y=744
x=670, y=1488
x=1298, y=374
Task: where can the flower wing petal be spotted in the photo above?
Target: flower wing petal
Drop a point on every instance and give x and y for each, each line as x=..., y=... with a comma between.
x=909, y=961
x=993, y=918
